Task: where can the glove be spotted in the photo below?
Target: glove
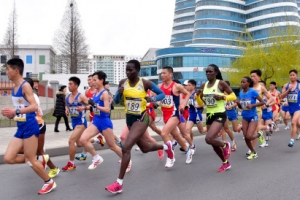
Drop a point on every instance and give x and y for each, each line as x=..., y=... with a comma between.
x=92, y=103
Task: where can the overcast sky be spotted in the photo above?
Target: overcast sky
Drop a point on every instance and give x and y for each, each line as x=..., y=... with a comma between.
x=127, y=27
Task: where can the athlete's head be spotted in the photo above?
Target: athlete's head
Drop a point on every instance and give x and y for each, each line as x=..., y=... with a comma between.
x=14, y=68
x=213, y=72
x=166, y=73
x=191, y=85
x=132, y=69
x=30, y=81
x=106, y=85
x=90, y=80
x=293, y=75
x=255, y=75
x=246, y=82
x=99, y=78
x=272, y=85
x=176, y=81
x=74, y=83
x=263, y=83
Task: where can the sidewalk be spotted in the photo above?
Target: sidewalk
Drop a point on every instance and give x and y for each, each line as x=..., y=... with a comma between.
x=56, y=144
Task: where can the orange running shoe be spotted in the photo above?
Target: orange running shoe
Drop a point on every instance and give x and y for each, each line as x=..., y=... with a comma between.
x=69, y=167
x=101, y=140
x=47, y=187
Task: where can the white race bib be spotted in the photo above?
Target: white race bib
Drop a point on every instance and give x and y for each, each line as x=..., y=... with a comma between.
x=20, y=118
x=292, y=98
x=73, y=111
x=191, y=102
x=244, y=103
x=134, y=105
x=96, y=111
x=210, y=101
x=167, y=102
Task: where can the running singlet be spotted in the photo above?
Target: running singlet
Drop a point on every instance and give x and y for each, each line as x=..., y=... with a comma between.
x=267, y=109
x=134, y=98
x=213, y=106
x=73, y=108
x=19, y=102
x=246, y=99
x=193, y=105
x=89, y=94
x=39, y=113
x=293, y=98
x=171, y=102
x=99, y=102
x=258, y=90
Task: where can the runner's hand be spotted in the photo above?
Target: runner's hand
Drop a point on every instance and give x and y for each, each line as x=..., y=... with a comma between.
x=91, y=102
x=121, y=90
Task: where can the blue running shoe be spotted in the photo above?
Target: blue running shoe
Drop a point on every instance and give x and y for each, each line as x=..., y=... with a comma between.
x=174, y=145
x=291, y=144
x=81, y=157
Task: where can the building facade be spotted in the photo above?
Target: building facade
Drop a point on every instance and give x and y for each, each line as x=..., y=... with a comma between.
x=206, y=31
x=149, y=67
x=38, y=59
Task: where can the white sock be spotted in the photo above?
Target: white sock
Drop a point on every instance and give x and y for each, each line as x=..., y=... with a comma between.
x=96, y=157
x=72, y=161
x=120, y=181
x=50, y=181
x=118, y=140
x=165, y=147
x=96, y=140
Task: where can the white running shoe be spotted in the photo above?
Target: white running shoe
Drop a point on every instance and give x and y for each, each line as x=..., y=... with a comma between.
x=298, y=137
x=129, y=167
x=95, y=163
x=137, y=149
x=248, y=152
x=170, y=162
x=287, y=128
x=189, y=156
x=263, y=145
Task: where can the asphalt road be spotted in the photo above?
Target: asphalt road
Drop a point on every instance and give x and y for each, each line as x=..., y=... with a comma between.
x=273, y=175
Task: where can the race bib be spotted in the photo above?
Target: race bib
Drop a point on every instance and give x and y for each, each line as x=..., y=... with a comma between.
x=210, y=101
x=244, y=103
x=134, y=105
x=20, y=118
x=96, y=111
x=167, y=102
x=191, y=102
x=292, y=98
x=73, y=111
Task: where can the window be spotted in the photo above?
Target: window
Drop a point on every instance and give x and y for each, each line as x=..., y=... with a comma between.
x=42, y=60
x=29, y=59
x=3, y=59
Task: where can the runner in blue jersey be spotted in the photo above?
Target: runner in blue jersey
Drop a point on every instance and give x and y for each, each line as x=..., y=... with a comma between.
x=247, y=102
x=291, y=90
x=285, y=112
x=76, y=106
x=23, y=113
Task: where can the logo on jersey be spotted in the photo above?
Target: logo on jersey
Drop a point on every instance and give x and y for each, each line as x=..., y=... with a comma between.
x=20, y=101
x=214, y=90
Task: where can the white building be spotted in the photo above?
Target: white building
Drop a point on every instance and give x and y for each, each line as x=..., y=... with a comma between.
x=38, y=59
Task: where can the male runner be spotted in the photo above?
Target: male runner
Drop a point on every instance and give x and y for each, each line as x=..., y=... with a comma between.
x=26, y=137
x=75, y=106
x=275, y=107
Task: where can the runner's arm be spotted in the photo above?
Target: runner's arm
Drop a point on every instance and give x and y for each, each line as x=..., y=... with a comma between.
x=284, y=91
x=182, y=90
x=28, y=94
x=270, y=99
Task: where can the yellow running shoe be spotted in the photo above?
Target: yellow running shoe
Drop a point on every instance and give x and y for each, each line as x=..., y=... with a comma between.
x=261, y=138
x=54, y=172
x=252, y=156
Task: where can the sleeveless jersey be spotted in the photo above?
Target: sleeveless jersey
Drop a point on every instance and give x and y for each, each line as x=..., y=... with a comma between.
x=170, y=102
x=89, y=94
x=267, y=109
x=19, y=102
x=293, y=98
x=73, y=107
x=39, y=113
x=260, y=94
x=99, y=102
x=213, y=106
x=134, y=98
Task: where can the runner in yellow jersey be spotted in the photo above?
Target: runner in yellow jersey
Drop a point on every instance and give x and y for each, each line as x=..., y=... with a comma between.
x=133, y=91
x=212, y=93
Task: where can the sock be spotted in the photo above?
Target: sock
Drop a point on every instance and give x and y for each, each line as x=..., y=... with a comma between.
x=165, y=147
x=187, y=150
x=40, y=158
x=120, y=181
x=292, y=140
x=233, y=141
x=225, y=162
x=118, y=140
x=96, y=157
x=49, y=181
x=192, y=147
x=96, y=141
x=72, y=161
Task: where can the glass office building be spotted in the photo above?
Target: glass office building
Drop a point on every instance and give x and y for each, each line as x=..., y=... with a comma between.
x=205, y=32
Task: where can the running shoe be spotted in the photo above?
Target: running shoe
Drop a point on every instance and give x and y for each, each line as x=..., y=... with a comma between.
x=267, y=144
x=53, y=172
x=95, y=163
x=277, y=130
x=291, y=143
x=287, y=128
x=69, y=167
x=45, y=160
x=224, y=167
x=261, y=137
x=181, y=149
x=233, y=148
x=47, y=187
x=114, y=188
x=101, y=140
x=252, y=156
x=174, y=145
x=227, y=151
x=81, y=157
x=268, y=137
x=248, y=152
x=170, y=151
x=263, y=145
x=274, y=126
x=119, y=143
x=160, y=154
x=169, y=163
x=189, y=156
x=119, y=161
x=137, y=148
x=193, y=149
x=298, y=136
x=129, y=167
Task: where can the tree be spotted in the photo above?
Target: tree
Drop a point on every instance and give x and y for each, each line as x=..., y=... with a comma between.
x=10, y=47
x=70, y=40
x=275, y=56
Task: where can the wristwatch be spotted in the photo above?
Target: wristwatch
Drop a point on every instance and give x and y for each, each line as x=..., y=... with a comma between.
x=18, y=111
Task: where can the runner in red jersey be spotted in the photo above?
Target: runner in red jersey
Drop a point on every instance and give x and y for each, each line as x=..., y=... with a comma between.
x=89, y=93
x=275, y=108
x=186, y=109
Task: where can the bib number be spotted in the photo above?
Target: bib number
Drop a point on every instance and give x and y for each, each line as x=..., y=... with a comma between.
x=292, y=98
x=96, y=111
x=74, y=112
x=134, y=105
x=210, y=102
x=244, y=103
x=191, y=102
x=167, y=102
x=20, y=118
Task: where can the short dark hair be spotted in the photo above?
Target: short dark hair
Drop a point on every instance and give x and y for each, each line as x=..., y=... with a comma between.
x=249, y=80
x=257, y=72
x=177, y=81
x=217, y=69
x=273, y=83
x=228, y=83
x=193, y=82
x=106, y=83
x=293, y=70
x=30, y=81
x=62, y=88
x=169, y=68
x=91, y=75
x=136, y=63
x=264, y=82
x=16, y=63
x=101, y=76
x=75, y=79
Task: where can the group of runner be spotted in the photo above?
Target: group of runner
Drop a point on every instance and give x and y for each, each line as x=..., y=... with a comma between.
x=181, y=105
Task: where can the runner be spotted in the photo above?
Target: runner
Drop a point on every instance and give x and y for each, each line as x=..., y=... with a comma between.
x=172, y=110
x=285, y=112
x=275, y=107
x=26, y=137
x=183, y=96
x=54, y=171
x=76, y=107
x=247, y=102
x=134, y=95
x=291, y=91
x=212, y=93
